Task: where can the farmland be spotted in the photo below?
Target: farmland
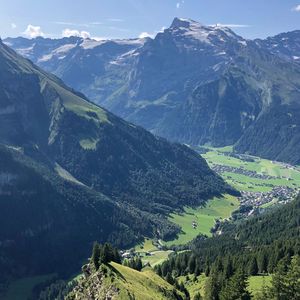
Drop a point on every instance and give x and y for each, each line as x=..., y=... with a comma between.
x=204, y=217
x=263, y=183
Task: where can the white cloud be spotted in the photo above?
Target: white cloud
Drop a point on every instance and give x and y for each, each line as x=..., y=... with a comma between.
x=73, y=32
x=13, y=25
x=232, y=25
x=151, y=35
x=145, y=35
x=33, y=31
x=85, y=34
x=179, y=4
x=296, y=8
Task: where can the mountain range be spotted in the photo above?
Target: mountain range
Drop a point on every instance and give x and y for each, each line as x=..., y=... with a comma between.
x=72, y=173
x=192, y=84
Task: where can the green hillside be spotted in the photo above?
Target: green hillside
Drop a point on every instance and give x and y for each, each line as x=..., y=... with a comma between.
x=119, y=282
x=72, y=173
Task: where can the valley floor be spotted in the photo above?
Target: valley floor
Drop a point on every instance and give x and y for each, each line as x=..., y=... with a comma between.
x=262, y=183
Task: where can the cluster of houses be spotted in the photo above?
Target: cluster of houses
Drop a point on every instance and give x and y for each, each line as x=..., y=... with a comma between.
x=241, y=171
x=128, y=254
x=282, y=194
x=132, y=253
x=285, y=165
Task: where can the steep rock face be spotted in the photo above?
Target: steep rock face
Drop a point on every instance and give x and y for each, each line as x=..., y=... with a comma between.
x=219, y=121
x=285, y=45
x=71, y=173
x=198, y=84
x=81, y=63
x=273, y=128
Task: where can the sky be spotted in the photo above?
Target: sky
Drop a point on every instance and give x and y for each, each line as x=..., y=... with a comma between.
x=102, y=19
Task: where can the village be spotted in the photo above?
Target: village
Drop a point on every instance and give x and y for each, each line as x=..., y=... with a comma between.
x=220, y=169
x=282, y=194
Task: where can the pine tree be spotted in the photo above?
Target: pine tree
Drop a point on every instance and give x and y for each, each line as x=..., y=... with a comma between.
x=228, y=268
x=197, y=271
x=212, y=287
x=262, y=262
x=278, y=289
x=264, y=294
x=96, y=255
x=207, y=269
x=192, y=264
x=197, y=297
x=164, y=269
x=125, y=263
x=169, y=278
x=253, y=268
x=292, y=281
x=138, y=264
x=116, y=256
x=106, y=255
x=236, y=288
x=158, y=270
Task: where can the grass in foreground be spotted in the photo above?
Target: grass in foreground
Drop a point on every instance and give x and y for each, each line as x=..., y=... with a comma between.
x=125, y=283
x=205, y=217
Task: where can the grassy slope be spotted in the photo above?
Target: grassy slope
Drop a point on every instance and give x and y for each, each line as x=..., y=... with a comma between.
x=124, y=283
x=143, y=285
x=204, y=216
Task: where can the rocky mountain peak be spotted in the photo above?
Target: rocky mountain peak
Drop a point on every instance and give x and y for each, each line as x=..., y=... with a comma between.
x=204, y=33
x=186, y=23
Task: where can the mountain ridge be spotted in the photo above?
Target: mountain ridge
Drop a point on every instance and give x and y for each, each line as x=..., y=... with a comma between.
x=188, y=85
x=72, y=172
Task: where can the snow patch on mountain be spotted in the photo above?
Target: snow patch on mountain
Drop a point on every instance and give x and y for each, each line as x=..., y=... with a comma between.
x=90, y=44
x=59, y=53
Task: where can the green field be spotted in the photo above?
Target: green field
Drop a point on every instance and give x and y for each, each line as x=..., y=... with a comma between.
x=261, y=166
x=146, y=246
x=157, y=257
x=21, y=289
x=256, y=283
x=218, y=208
x=194, y=284
x=197, y=285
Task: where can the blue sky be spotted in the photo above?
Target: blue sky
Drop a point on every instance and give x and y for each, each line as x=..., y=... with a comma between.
x=132, y=18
